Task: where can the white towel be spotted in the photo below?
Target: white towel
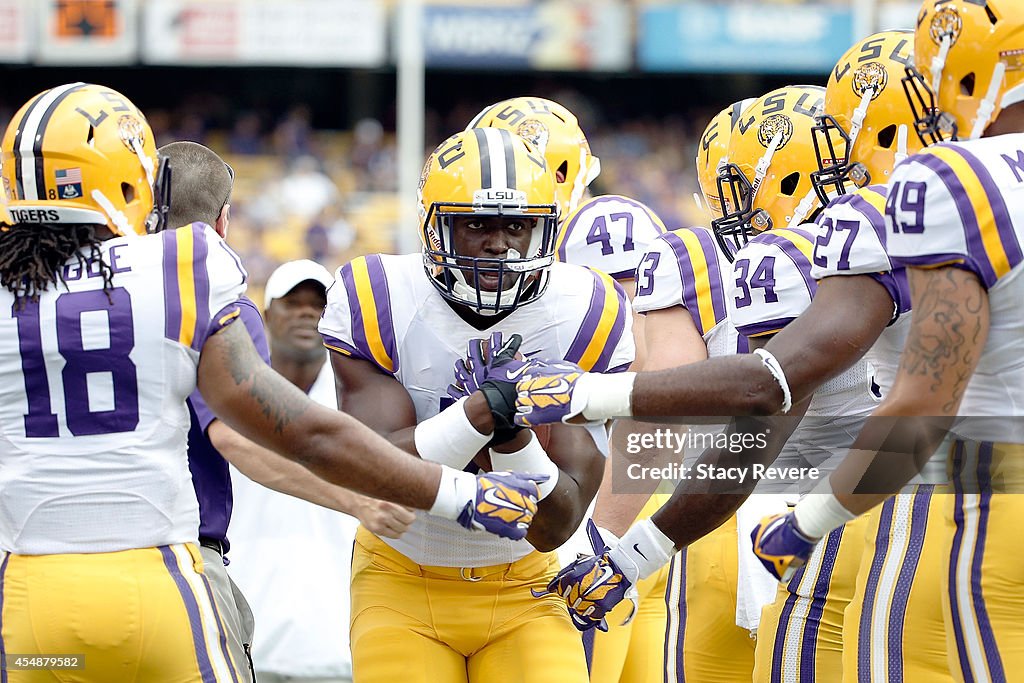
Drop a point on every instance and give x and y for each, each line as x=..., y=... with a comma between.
x=755, y=586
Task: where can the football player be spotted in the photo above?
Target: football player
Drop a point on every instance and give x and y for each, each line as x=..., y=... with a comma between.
x=436, y=603
x=609, y=233
x=952, y=218
x=109, y=323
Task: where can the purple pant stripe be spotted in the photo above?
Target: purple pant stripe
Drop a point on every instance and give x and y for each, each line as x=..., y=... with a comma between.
x=194, y=619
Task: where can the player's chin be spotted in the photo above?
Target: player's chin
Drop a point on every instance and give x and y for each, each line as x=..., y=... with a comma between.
x=488, y=282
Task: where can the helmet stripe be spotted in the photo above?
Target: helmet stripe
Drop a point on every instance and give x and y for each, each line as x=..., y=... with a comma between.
x=498, y=176
x=29, y=167
x=485, y=156
x=510, y=157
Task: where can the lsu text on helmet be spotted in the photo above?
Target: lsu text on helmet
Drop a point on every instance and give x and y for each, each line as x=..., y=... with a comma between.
x=487, y=172
x=555, y=131
x=83, y=153
x=867, y=114
x=969, y=65
x=765, y=179
x=712, y=149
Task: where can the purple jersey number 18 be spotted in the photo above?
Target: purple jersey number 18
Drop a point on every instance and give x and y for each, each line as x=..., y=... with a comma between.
x=79, y=363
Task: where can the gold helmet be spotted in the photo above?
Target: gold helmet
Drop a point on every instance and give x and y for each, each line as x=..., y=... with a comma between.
x=487, y=172
x=765, y=180
x=712, y=149
x=82, y=153
x=969, y=65
x=866, y=111
x=553, y=130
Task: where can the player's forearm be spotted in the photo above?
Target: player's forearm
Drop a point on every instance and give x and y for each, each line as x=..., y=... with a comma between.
x=278, y=473
x=558, y=515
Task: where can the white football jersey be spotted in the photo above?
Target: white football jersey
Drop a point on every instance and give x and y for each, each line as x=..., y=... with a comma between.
x=92, y=412
x=771, y=287
x=609, y=233
x=962, y=204
x=686, y=268
x=385, y=310
x=849, y=239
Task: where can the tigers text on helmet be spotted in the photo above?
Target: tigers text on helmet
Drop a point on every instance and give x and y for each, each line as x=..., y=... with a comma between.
x=969, y=65
x=82, y=153
x=487, y=172
x=712, y=149
x=867, y=114
x=765, y=180
x=556, y=132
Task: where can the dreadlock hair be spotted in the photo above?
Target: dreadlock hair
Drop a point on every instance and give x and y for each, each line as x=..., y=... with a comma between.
x=33, y=256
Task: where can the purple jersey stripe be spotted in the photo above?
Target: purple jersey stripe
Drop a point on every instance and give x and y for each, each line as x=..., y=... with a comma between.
x=954, y=555
x=359, y=346
x=194, y=618
x=382, y=299
x=809, y=647
x=905, y=581
x=586, y=331
x=334, y=342
x=3, y=652
x=686, y=270
x=882, y=538
x=764, y=327
x=201, y=280
x=895, y=282
x=802, y=263
x=172, y=297
x=615, y=335
x=221, y=631
x=236, y=259
x=1004, y=224
x=782, y=629
x=978, y=261
x=697, y=284
x=717, y=287
x=873, y=216
x=988, y=640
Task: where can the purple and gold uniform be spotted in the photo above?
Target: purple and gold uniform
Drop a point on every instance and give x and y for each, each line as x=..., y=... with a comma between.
x=959, y=204
x=893, y=629
x=703, y=642
x=801, y=634
x=451, y=600
x=611, y=233
x=99, y=518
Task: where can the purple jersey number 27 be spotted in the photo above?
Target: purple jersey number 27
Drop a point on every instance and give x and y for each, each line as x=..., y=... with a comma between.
x=79, y=363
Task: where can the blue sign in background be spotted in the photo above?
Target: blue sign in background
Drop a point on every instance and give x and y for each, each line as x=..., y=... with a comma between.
x=743, y=38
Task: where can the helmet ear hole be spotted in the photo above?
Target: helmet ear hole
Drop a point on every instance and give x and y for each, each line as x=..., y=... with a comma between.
x=562, y=172
x=967, y=85
x=887, y=136
x=128, y=192
x=789, y=184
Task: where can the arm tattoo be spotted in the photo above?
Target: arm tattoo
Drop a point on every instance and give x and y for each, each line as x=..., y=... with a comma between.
x=274, y=395
x=947, y=331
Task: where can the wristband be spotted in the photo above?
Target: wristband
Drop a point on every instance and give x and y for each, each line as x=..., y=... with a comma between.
x=607, y=395
x=642, y=550
x=776, y=370
x=456, y=490
x=449, y=438
x=819, y=512
x=530, y=459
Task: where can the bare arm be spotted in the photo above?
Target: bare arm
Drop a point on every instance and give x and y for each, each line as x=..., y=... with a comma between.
x=263, y=406
x=580, y=468
x=289, y=477
x=948, y=333
x=843, y=321
x=670, y=339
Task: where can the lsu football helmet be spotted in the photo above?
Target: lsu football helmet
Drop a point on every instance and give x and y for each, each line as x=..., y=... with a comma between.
x=765, y=180
x=867, y=114
x=83, y=153
x=969, y=65
x=556, y=132
x=487, y=172
x=712, y=149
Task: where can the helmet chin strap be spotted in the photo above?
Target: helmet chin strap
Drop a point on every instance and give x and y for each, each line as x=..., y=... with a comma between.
x=939, y=63
x=901, y=144
x=119, y=220
x=857, y=120
x=988, y=105
x=805, y=207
